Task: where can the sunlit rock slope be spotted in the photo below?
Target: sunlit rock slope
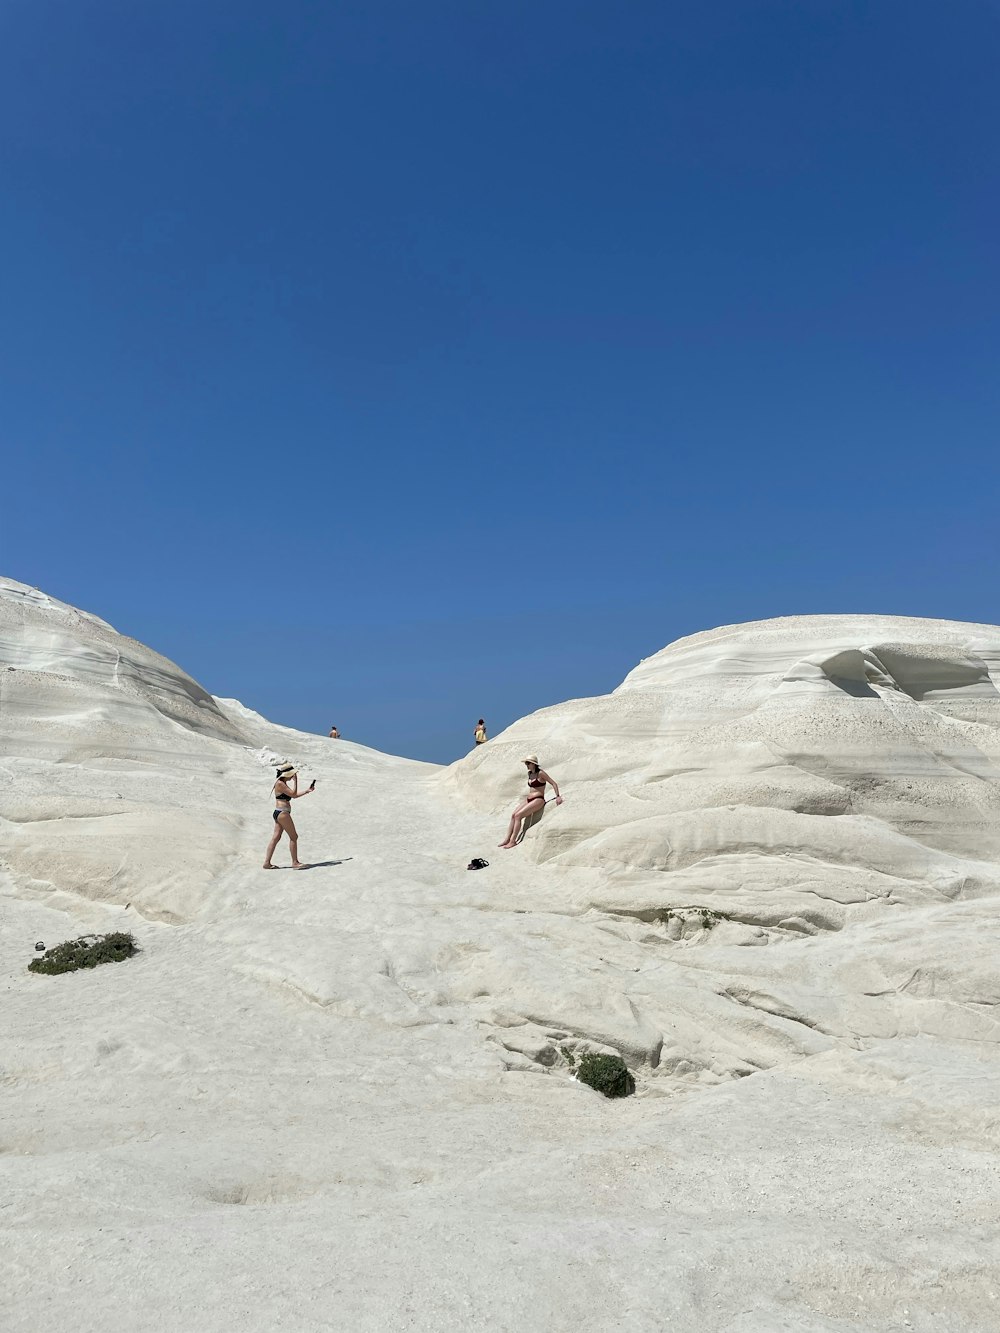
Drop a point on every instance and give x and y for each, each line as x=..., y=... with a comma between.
x=790, y=770
x=777, y=856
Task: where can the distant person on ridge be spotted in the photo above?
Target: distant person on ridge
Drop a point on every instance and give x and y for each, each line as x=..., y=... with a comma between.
x=334, y=733
x=286, y=790
x=533, y=804
x=481, y=736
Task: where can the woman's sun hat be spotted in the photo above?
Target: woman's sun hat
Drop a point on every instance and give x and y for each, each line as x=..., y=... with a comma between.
x=531, y=759
x=287, y=771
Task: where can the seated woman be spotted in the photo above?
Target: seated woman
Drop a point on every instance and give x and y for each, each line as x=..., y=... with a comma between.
x=532, y=805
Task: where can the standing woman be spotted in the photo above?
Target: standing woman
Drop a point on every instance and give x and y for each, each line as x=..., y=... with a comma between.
x=533, y=803
x=286, y=790
x=480, y=732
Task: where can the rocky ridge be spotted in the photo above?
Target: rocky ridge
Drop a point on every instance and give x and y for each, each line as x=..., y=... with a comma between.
x=778, y=857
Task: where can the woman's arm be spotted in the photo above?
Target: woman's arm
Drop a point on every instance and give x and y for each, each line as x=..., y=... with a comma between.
x=555, y=785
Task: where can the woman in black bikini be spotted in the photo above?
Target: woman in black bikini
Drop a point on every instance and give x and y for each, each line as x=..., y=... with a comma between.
x=533, y=803
x=286, y=790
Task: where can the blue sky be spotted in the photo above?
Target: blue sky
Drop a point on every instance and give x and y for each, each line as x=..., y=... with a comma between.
x=393, y=364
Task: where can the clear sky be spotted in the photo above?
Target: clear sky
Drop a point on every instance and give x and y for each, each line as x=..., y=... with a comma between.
x=395, y=363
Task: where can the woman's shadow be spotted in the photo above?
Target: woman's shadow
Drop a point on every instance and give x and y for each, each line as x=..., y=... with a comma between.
x=317, y=865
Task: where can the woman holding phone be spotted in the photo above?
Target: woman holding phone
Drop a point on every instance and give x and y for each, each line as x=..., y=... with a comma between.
x=286, y=790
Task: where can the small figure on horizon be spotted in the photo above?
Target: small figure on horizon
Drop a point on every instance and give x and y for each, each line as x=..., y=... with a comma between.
x=481, y=737
x=533, y=804
x=334, y=733
x=286, y=790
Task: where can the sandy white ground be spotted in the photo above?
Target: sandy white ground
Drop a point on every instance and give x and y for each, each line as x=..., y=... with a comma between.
x=340, y=1099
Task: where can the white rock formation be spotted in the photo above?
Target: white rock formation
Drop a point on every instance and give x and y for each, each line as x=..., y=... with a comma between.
x=778, y=856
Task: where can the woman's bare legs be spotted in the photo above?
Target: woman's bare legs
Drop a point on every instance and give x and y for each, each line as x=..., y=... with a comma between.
x=514, y=827
x=293, y=839
x=510, y=829
x=284, y=824
x=275, y=839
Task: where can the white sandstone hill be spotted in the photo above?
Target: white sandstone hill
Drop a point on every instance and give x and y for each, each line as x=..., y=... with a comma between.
x=846, y=759
x=779, y=856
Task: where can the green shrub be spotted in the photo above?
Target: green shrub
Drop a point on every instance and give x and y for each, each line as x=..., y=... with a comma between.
x=87, y=951
x=607, y=1073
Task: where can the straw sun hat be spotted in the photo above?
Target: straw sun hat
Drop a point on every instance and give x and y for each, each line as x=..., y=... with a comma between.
x=286, y=771
x=530, y=759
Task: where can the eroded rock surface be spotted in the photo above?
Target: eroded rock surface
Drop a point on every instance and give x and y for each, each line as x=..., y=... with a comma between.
x=777, y=858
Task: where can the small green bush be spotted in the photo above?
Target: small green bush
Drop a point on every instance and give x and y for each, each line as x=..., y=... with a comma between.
x=87, y=951
x=607, y=1073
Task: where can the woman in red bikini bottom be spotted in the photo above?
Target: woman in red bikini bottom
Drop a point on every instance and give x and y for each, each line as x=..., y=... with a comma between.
x=532, y=804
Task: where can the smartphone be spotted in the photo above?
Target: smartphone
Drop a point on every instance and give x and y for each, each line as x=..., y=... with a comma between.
x=312, y=784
